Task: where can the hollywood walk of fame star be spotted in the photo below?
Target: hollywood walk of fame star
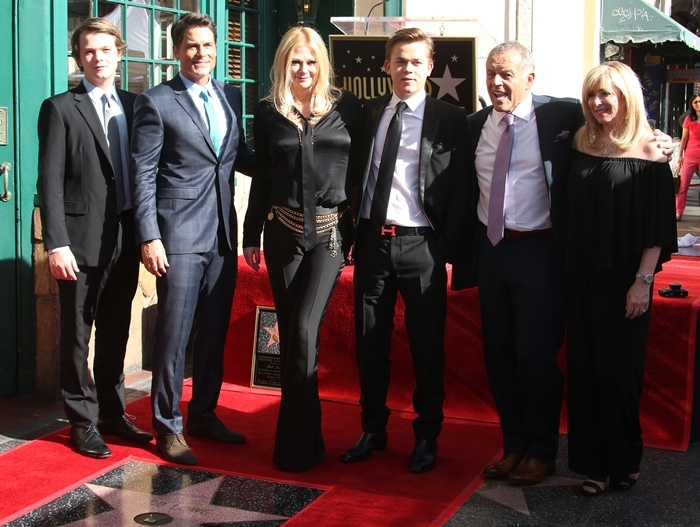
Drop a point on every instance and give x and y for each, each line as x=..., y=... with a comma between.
x=189, y=506
x=274, y=333
x=513, y=497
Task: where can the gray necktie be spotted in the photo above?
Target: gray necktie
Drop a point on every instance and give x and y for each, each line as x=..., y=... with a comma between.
x=212, y=122
x=501, y=165
x=110, y=112
x=385, y=176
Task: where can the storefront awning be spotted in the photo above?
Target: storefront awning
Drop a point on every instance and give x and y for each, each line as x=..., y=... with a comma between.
x=636, y=21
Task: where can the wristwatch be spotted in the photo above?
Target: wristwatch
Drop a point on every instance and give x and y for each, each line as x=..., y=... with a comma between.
x=648, y=278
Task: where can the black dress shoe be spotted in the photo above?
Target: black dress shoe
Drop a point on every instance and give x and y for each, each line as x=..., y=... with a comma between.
x=88, y=441
x=424, y=456
x=121, y=427
x=369, y=442
x=215, y=429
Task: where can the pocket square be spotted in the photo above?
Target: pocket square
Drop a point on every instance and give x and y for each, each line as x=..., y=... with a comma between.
x=561, y=136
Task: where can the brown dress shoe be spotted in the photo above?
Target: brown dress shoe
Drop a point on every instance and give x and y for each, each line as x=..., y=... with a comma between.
x=504, y=467
x=174, y=448
x=531, y=472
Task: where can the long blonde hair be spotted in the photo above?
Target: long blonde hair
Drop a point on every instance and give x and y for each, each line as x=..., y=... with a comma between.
x=324, y=92
x=610, y=76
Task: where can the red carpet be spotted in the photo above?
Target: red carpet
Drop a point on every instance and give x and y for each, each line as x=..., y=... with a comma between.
x=380, y=491
x=666, y=401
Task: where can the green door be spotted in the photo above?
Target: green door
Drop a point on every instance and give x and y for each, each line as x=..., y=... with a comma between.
x=9, y=265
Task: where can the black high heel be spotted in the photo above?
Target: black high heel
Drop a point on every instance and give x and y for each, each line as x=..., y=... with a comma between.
x=592, y=488
x=627, y=482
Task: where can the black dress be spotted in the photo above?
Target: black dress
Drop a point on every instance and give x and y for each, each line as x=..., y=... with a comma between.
x=617, y=207
x=305, y=171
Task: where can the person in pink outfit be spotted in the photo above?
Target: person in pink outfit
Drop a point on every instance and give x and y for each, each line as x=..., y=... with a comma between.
x=689, y=153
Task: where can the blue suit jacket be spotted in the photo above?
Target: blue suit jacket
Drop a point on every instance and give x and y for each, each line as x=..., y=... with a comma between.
x=180, y=188
x=557, y=122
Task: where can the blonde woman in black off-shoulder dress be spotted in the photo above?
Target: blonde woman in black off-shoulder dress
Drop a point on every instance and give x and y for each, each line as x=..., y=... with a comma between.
x=621, y=229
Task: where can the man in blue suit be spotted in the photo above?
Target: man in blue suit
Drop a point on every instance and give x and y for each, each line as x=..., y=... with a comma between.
x=187, y=141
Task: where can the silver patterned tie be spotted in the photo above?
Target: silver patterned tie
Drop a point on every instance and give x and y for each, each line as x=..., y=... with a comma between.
x=110, y=112
x=501, y=165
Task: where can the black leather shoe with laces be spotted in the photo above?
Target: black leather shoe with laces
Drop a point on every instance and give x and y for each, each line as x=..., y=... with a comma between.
x=121, y=427
x=88, y=441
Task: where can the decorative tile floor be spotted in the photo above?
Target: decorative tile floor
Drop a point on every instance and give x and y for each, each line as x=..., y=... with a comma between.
x=139, y=493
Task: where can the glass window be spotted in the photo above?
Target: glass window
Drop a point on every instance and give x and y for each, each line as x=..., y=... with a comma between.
x=149, y=59
x=242, y=54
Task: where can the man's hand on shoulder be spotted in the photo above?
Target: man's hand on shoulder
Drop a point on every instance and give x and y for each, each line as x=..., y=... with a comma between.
x=664, y=142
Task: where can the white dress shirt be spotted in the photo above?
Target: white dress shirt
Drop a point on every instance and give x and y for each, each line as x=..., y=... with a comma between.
x=194, y=90
x=404, y=201
x=526, y=202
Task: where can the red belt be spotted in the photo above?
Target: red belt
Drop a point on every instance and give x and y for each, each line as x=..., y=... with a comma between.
x=524, y=235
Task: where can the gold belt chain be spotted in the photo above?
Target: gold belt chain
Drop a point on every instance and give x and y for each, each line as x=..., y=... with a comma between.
x=294, y=221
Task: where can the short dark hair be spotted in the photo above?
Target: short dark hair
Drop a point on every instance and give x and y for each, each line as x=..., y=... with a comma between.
x=189, y=21
x=94, y=25
x=406, y=36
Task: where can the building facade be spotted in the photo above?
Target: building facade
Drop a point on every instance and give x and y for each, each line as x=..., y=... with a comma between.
x=565, y=37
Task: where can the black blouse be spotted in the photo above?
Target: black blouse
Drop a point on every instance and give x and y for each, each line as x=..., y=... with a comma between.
x=286, y=157
x=617, y=207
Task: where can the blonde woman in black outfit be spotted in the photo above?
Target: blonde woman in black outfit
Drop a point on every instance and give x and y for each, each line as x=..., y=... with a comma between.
x=299, y=196
x=621, y=230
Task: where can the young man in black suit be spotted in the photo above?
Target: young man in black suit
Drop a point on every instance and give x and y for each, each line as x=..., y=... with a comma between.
x=88, y=230
x=403, y=245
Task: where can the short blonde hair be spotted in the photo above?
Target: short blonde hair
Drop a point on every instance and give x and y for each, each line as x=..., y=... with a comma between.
x=324, y=91
x=610, y=76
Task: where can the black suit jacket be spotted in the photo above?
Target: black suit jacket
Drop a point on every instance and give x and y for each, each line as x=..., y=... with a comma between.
x=557, y=122
x=76, y=183
x=442, y=173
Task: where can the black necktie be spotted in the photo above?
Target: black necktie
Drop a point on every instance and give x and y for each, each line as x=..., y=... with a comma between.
x=380, y=200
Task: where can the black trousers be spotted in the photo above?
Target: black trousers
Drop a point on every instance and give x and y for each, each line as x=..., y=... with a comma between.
x=302, y=283
x=606, y=354
x=103, y=296
x=521, y=295
x=413, y=266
